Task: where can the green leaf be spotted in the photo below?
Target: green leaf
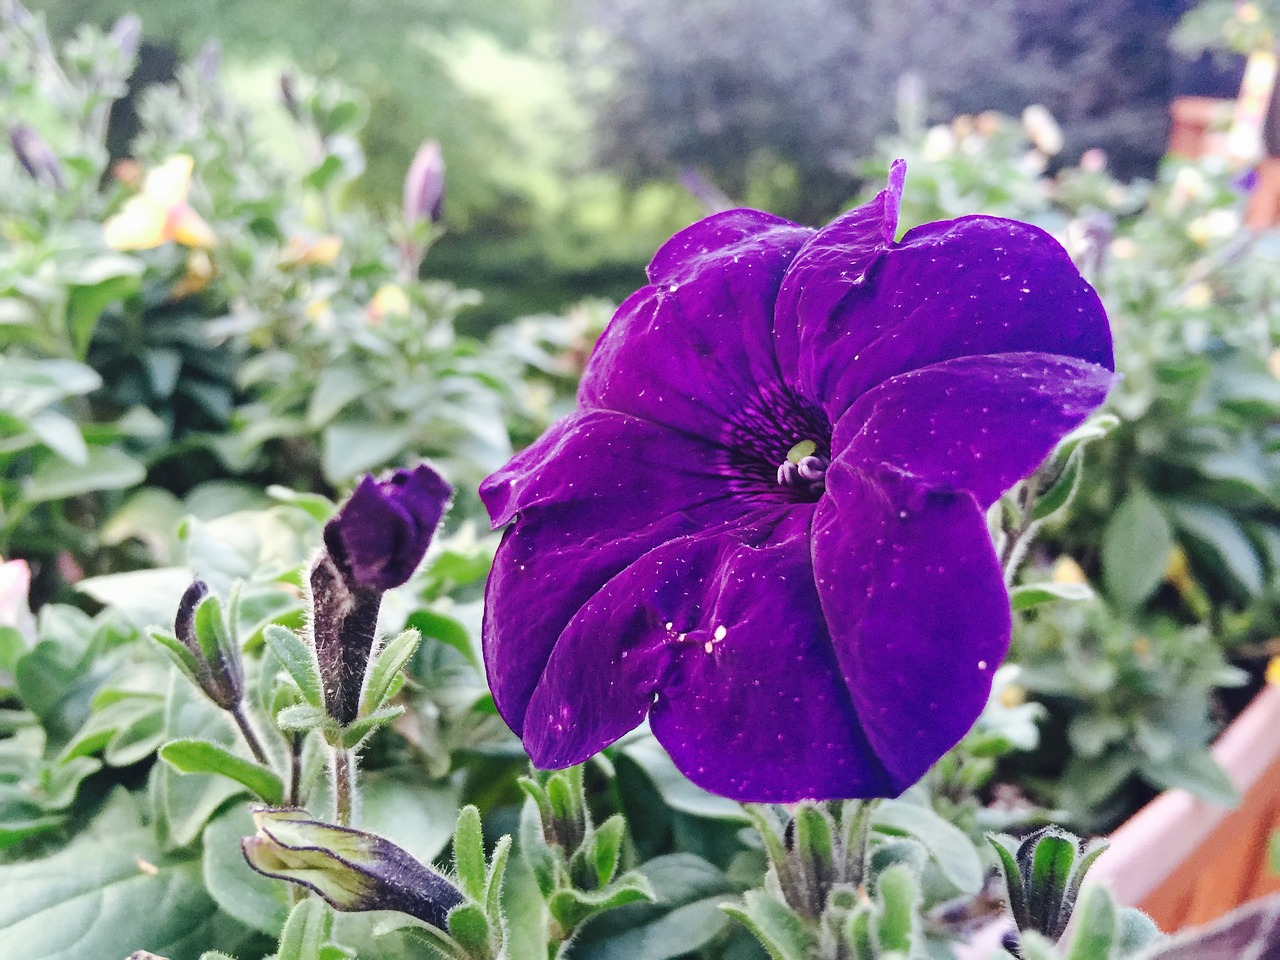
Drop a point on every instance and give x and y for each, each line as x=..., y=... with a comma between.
x=61, y=435
x=572, y=906
x=899, y=894
x=306, y=931
x=1196, y=771
x=301, y=718
x=337, y=386
x=145, y=597
x=105, y=468
x=98, y=897
x=410, y=809
x=676, y=790
x=354, y=732
x=948, y=846
x=468, y=853
x=1051, y=862
x=386, y=668
x=1096, y=927
x=352, y=447
x=782, y=933
x=1217, y=533
x=204, y=756
x=298, y=660
x=1029, y=595
x=448, y=630
x=185, y=802
x=470, y=927
x=677, y=933
x=243, y=893
x=1135, y=550
x=1014, y=891
x=94, y=286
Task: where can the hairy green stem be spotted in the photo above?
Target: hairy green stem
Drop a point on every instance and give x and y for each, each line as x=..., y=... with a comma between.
x=344, y=785
x=249, y=734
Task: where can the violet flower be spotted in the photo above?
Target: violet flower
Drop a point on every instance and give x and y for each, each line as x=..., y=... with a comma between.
x=373, y=543
x=764, y=526
x=424, y=185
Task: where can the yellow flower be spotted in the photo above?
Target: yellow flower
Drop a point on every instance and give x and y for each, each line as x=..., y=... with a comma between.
x=390, y=300
x=1197, y=296
x=1247, y=13
x=1066, y=570
x=303, y=251
x=1273, y=671
x=1013, y=695
x=199, y=272
x=1042, y=129
x=160, y=212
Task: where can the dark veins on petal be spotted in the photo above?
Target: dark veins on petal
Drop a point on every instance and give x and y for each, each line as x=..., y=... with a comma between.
x=756, y=441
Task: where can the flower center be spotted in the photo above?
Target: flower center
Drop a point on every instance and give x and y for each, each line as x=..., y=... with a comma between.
x=804, y=470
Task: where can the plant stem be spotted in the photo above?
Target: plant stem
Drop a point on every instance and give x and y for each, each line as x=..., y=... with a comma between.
x=250, y=737
x=294, y=797
x=344, y=785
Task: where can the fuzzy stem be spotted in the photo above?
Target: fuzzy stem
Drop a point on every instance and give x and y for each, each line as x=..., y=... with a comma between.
x=294, y=798
x=344, y=785
x=247, y=731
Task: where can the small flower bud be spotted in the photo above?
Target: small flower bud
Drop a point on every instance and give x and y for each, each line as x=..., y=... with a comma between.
x=373, y=543
x=424, y=185
x=36, y=156
x=213, y=659
x=351, y=870
x=1043, y=877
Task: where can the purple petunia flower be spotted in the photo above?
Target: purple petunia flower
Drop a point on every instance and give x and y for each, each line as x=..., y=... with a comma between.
x=764, y=526
x=373, y=543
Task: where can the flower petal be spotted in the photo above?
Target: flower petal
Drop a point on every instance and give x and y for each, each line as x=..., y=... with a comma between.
x=966, y=287
x=697, y=344
x=977, y=423
x=916, y=605
x=834, y=265
x=597, y=492
x=726, y=630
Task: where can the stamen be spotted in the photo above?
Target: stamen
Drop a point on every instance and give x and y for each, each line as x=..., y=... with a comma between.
x=803, y=470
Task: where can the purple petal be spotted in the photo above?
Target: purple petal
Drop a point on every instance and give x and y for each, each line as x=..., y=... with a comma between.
x=696, y=345
x=380, y=535
x=597, y=492
x=977, y=423
x=916, y=605
x=834, y=265
x=726, y=630
x=977, y=285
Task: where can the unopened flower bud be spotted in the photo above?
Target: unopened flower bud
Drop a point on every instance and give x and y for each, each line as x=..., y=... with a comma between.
x=35, y=155
x=351, y=870
x=207, y=654
x=1043, y=875
x=424, y=185
x=373, y=543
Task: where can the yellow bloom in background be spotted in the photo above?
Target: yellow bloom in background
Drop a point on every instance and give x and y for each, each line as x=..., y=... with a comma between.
x=160, y=213
x=1197, y=296
x=1066, y=570
x=303, y=251
x=200, y=271
x=1273, y=671
x=390, y=300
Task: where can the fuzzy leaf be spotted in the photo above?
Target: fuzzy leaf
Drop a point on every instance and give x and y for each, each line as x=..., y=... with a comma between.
x=298, y=660
x=204, y=756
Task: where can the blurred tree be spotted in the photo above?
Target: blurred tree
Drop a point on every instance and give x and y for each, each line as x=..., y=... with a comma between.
x=810, y=84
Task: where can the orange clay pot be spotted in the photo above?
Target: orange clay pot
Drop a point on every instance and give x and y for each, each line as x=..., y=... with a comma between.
x=1184, y=861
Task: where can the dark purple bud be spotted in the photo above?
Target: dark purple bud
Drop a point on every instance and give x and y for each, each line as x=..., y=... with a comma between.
x=424, y=185
x=35, y=155
x=208, y=654
x=350, y=870
x=373, y=543
x=125, y=35
x=380, y=535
